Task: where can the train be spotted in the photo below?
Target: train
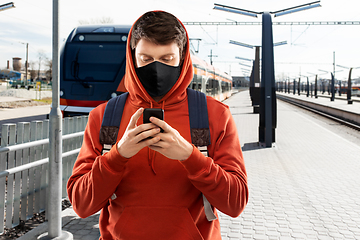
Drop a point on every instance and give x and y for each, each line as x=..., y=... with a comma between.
x=92, y=68
x=355, y=90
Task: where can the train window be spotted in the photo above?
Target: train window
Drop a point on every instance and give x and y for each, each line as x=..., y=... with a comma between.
x=225, y=86
x=90, y=61
x=104, y=29
x=197, y=82
x=216, y=86
x=100, y=38
x=212, y=87
x=208, y=87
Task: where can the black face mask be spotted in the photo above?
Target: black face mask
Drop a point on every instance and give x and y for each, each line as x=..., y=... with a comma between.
x=158, y=78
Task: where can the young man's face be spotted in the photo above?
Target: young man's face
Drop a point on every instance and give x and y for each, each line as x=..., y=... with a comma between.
x=147, y=52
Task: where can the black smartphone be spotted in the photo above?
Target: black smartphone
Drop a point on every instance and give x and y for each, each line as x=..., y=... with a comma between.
x=153, y=112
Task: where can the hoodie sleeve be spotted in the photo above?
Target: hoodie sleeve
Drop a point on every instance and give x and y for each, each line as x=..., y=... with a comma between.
x=222, y=178
x=94, y=177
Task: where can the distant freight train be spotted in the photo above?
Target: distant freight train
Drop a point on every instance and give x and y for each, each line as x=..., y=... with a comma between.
x=92, y=67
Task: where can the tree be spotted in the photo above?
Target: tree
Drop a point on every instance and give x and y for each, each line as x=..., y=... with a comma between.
x=32, y=65
x=48, y=73
x=41, y=56
x=103, y=20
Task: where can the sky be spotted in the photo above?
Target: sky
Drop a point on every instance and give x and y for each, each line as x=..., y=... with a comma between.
x=309, y=49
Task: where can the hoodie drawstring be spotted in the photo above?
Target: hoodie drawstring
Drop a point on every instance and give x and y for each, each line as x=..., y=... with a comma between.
x=151, y=154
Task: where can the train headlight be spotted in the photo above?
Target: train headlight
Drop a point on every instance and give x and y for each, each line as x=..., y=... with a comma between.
x=113, y=95
x=61, y=93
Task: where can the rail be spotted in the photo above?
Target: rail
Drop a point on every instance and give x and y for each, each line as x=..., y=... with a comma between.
x=344, y=117
x=24, y=166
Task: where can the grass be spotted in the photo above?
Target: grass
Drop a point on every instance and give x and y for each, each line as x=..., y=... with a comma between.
x=44, y=100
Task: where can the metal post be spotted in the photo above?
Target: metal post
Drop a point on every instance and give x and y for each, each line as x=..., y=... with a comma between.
x=316, y=83
x=252, y=83
x=339, y=87
x=294, y=87
x=256, y=79
x=288, y=86
x=349, y=88
x=268, y=96
x=332, y=88
x=299, y=86
x=55, y=144
x=55, y=161
x=307, y=87
x=26, y=63
x=334, y=63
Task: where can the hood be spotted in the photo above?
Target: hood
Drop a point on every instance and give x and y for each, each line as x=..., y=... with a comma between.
x=137, y=93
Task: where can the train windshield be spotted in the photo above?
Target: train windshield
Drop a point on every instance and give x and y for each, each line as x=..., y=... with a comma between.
x=93, y=61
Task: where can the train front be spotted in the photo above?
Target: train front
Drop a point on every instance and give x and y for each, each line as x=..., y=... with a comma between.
x=92, y=66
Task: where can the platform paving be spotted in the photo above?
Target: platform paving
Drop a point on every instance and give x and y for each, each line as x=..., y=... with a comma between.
x=305, y=187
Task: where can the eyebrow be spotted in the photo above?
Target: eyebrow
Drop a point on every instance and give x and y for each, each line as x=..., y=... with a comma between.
x=168, y=54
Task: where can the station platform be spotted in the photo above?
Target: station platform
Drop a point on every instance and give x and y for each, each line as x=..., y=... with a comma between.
x=340, y=102
x=304, y=187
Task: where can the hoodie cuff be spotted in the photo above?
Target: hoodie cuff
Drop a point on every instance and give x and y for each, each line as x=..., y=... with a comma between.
x=114, y=160
x=196, y=163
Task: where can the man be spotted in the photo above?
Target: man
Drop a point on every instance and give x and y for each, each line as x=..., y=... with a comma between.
x=153, y=188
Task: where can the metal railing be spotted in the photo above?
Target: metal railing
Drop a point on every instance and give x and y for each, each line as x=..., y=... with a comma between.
x=24, y=166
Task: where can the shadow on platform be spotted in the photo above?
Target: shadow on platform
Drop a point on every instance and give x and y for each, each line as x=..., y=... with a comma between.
x=251, y=146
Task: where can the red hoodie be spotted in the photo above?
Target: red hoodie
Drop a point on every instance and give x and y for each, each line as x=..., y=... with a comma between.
x=151, y=197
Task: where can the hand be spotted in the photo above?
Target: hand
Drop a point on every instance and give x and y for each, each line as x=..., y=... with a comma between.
x=135, y=137
x=172, y=145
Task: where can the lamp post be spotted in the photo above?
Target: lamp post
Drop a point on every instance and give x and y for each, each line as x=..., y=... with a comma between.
x=348, y=97
x=267, y=121
x=55, y=144
x=255, y=74
x=331, y=88
x=316, y=84
x=307, y=89
x=7, y=6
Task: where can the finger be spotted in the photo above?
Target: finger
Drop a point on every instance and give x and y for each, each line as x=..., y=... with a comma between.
x=149, y=142
x=134, y=118
x=144, y=135
x=162, y=124
x=142, y=128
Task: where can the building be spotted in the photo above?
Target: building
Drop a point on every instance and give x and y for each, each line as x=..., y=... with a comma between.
x=240, y=81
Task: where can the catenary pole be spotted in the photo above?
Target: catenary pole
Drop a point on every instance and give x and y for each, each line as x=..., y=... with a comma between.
x=55, y=144
x=268, y=112
x=55, y=161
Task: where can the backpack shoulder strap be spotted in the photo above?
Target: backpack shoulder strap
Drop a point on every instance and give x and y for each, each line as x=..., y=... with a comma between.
x=200, y=133
x=111, y=121
x=199, y=120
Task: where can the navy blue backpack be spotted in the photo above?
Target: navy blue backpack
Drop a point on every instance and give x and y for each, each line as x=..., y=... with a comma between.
x=199, y=128
x=198, y=116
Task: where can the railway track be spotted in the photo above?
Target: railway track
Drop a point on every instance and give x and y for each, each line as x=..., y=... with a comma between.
x=313, y=109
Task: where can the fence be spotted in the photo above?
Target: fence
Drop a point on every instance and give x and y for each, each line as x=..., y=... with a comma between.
x=24, y=166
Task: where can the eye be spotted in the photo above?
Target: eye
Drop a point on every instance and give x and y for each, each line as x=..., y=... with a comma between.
x=146, y=59
x=168, y=58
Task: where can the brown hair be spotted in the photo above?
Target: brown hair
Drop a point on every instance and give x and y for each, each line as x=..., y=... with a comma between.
x=160, y=28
